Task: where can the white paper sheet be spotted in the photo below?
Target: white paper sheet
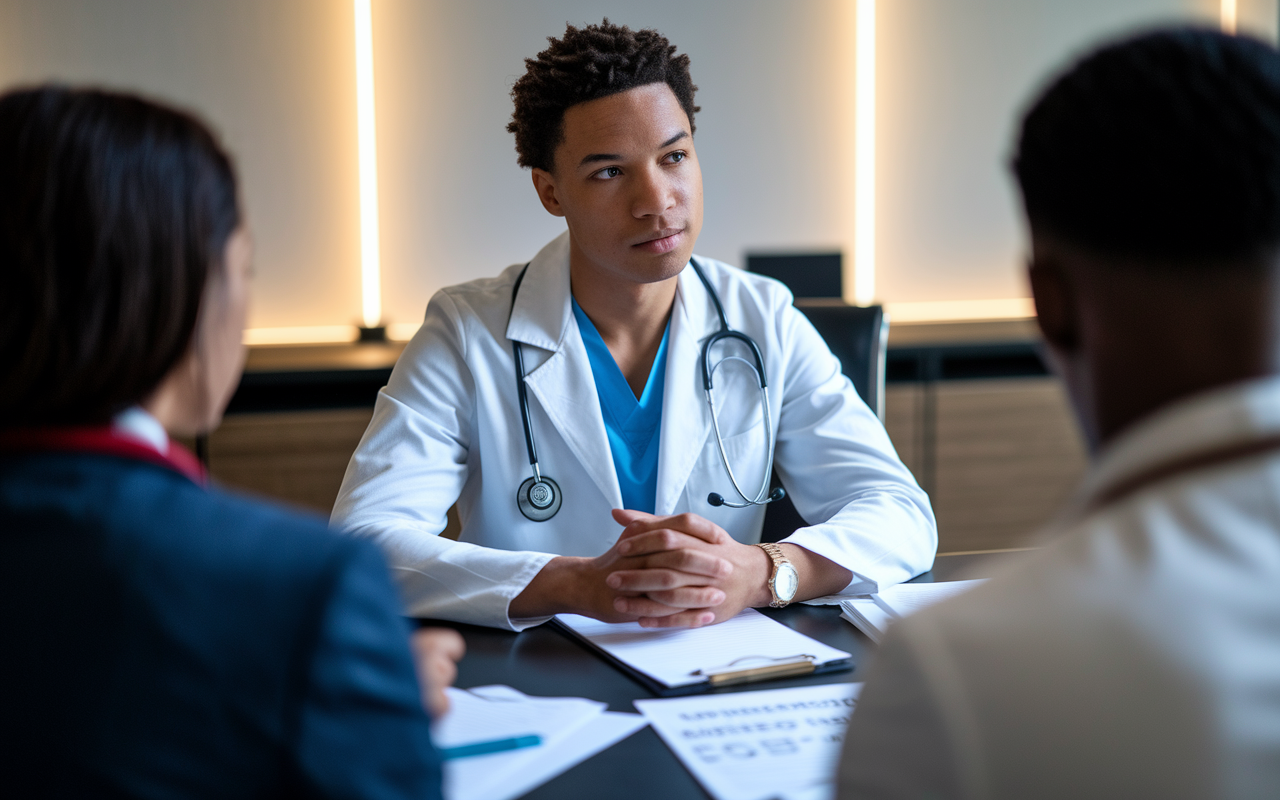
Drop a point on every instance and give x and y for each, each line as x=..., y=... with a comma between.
x=601, y=733
x=906, y=599
x=867, y=616
x=498, y=712
x=758, y=745
x=672, y=656
x=873, y=614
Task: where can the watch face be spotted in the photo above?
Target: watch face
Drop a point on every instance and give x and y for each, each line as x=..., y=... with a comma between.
x=786, y=582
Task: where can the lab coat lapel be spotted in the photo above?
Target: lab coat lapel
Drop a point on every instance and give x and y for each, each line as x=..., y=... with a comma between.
x=562, y=385
x=685, y=419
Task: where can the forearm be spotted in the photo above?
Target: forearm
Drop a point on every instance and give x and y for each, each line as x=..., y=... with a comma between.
x=883, y=537
x=558, y=588
x=819, y=576
x=456, y=581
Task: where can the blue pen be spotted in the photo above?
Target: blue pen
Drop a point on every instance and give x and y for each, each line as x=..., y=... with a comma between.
x=485, y=748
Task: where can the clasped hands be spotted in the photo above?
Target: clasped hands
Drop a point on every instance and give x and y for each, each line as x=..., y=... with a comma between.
x=677, y=571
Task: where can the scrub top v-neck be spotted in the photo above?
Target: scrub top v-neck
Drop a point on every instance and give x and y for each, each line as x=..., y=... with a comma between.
x=632, y=424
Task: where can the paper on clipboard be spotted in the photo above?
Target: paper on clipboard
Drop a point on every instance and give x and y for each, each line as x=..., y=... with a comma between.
x=677, y=657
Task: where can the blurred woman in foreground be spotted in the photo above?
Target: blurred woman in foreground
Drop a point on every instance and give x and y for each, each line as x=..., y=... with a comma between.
x=162, y=638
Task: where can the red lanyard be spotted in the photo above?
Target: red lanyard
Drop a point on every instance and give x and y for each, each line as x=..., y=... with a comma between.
x=103, y=440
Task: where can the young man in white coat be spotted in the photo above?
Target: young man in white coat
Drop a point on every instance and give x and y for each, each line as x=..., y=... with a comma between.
x=1138, y=654
x=590, y=357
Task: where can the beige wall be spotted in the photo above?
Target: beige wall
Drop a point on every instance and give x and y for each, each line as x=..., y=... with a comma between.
x=276, y=77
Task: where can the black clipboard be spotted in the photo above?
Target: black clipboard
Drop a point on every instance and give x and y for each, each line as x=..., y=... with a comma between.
x=778, y=670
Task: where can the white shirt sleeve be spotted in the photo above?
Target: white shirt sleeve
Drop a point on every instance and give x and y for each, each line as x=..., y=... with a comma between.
x=842, y=472
x=410, y=468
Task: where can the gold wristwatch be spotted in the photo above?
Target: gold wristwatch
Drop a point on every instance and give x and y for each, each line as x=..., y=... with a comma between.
x=785, y=581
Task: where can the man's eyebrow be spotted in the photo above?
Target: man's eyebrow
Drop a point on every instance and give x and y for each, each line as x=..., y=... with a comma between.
x=674, y=139
x=596, y=157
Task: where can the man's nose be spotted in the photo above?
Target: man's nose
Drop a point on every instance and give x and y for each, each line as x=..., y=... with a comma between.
x=655, y=194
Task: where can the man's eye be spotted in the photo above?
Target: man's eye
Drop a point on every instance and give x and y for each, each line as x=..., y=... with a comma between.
x=609, y=172
x=677, y=157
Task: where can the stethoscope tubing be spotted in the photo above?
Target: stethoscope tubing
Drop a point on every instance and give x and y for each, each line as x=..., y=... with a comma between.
x=522, y=390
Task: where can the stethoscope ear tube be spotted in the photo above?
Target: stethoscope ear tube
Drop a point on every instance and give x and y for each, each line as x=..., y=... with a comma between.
x=717, y=499
x=756, y=365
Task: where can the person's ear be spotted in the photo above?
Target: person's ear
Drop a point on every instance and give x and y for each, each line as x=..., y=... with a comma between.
x=544, y=183
x=1057, y=313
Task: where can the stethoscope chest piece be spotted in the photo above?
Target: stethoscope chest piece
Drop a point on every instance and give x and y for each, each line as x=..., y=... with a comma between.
x=539, y=498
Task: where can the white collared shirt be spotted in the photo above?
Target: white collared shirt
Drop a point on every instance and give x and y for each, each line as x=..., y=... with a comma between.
x=448, y=428
x=136, y=423
x=1137, y=655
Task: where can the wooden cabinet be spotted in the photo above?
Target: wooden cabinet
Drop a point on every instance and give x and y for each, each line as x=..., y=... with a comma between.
x=298, y=457
x=998, y=457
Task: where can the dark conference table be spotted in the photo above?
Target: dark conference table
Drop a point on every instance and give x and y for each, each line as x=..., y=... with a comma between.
x=546, y=662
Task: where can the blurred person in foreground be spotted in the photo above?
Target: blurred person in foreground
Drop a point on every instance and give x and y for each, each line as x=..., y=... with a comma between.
x=1138, y=653
x=162, y=638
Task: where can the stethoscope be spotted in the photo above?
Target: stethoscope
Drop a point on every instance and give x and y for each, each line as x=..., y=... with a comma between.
x=539, y=497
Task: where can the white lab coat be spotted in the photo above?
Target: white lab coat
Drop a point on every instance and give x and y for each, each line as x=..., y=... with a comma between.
x=1137, y=656
x=447, y=428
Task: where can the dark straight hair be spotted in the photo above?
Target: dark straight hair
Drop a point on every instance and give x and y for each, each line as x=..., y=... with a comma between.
x=114, y=213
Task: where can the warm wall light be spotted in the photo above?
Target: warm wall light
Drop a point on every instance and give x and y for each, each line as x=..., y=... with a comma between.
x=314, y=334
x=402, y=331
x=961, y=310
x=367, y=136
x=1227, y=15
x=864, y=191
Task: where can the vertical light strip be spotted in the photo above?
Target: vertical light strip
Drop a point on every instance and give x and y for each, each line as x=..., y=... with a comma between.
x=864, y=197
x=1227, y=16
x=367, y=137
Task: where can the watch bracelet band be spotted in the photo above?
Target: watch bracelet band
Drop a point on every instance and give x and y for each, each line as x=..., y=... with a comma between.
x=778, y=558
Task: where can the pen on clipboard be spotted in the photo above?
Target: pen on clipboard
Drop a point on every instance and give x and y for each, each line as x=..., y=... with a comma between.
x=732, y=673
x=485, y=748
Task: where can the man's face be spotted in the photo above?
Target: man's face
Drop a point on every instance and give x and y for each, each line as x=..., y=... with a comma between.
x=628, y=184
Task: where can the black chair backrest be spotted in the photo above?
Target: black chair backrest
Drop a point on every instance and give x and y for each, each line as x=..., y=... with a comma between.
x=858, y=336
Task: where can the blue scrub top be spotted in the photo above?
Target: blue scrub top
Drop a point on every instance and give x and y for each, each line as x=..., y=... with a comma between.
x=632, y=424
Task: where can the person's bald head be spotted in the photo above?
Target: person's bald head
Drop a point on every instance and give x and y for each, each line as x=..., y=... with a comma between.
x=1150, y=177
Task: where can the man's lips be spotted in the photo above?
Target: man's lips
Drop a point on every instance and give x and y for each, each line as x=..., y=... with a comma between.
x=663, y=242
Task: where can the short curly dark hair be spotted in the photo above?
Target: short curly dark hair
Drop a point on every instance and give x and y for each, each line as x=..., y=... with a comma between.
x=586, y=64
x=1161, y=146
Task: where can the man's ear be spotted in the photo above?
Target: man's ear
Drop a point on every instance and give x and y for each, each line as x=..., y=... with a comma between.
x=544, y=183
x=1056, y=310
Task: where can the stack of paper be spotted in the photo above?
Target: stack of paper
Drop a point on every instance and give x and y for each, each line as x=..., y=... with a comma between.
x=672, y=658
x=783, y=743
x=572, y=729
x=874, y=613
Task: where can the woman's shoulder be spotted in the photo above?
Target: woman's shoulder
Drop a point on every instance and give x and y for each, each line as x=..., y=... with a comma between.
x=140, y=511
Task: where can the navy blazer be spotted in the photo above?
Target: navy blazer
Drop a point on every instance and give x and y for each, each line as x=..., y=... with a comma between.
x=158, y=639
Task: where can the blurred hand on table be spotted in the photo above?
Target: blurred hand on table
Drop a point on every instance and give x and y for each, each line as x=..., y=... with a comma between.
x=436, y=652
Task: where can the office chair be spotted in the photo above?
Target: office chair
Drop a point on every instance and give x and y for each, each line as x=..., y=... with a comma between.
x=859, y=337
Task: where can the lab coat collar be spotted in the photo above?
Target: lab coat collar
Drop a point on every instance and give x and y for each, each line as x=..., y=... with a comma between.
x=1206, y=422
x=563, y=384
x=541, y=314
x=686, y=421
